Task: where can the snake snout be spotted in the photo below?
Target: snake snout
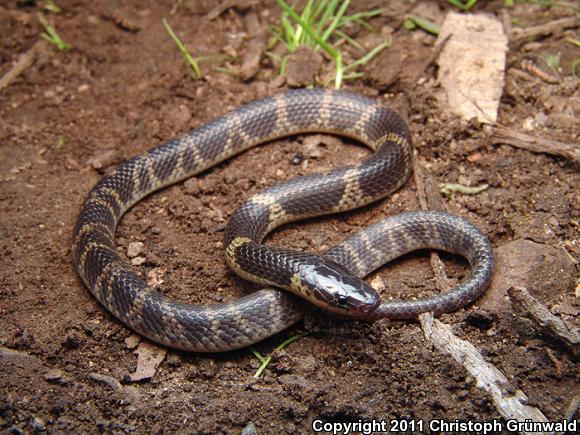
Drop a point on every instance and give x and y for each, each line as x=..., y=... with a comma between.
x=341, y=292
x=359, y=298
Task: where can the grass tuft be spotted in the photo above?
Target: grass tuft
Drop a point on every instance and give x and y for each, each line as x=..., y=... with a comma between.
x=192, y=63
x=319, y=26
x=51, y=35
x=265, y=361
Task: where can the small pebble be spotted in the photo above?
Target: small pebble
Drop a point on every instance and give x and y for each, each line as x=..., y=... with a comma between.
x=377, y=283
x=138, y=261
x=54, y=376
x=38, y=424
x=297, y=159
x=132, y=341
x=134, y=249
x=250, y=429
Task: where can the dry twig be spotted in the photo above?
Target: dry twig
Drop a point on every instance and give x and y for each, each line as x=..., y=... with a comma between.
x=509, y=403
x=520, y=36
x=501, y=135
x=25, y=60
x=524, y=303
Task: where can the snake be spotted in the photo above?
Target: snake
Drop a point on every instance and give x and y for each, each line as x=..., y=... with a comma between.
x=331, y=280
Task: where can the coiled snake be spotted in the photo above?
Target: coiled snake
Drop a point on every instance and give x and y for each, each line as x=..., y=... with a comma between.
x=331, y=280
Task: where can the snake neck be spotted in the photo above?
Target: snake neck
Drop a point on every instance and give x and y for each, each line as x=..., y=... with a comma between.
x=343, y=189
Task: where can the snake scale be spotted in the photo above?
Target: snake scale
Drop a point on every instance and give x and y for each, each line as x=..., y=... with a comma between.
x=330, y=280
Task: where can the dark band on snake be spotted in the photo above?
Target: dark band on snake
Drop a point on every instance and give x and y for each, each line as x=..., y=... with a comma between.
x=332, y=281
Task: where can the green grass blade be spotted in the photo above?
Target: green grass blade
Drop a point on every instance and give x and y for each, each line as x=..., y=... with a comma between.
x=258, y=355
x=195, y=71
x=328, y=7
x=51, y=34
x=413, y=21
x=362, y=15
x=463, y=6
x=336, y=21
x=319, y=25
x=360, y=18
x=291, y=36
x=326, y=47
x=350, y=40
x=51, y=6
x=339, y=71
x=368, y=57
x=265, y=361
x=353, y=76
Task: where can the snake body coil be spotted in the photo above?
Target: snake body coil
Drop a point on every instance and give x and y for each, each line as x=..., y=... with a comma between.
x=330, y=280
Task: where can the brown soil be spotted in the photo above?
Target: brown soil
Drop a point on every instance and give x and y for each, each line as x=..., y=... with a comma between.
x=121, y=90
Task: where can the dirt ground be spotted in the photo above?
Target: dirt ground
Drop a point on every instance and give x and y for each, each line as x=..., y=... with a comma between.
x=122, y=89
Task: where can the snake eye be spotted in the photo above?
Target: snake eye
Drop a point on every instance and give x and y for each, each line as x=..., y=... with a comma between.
x=342, y=300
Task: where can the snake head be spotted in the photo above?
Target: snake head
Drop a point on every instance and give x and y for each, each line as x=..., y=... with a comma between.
x=332, y=287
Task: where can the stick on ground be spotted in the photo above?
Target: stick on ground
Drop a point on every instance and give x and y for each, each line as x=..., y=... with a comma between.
x=520, y=36
x=501, y=135
x=25, y=61
x=509, y=403
x=524, y=303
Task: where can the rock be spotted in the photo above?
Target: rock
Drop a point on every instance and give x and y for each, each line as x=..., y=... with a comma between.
x=132, y=341
x=534, y=226
x=472, y=64
x=297, y=158
x=138, y=261
x=302, y=68
x=38, y=424
x=55, y=376
x=134, y=249
x=250, y=429
x=13, y=356
x=377, y=283
x=149, y=357
x=544, y=270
